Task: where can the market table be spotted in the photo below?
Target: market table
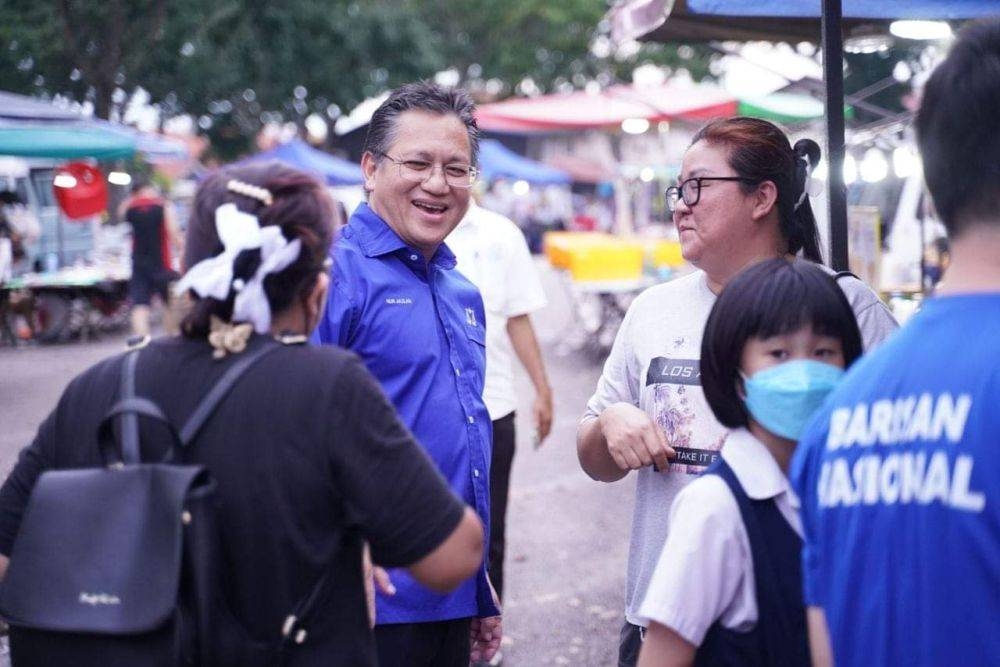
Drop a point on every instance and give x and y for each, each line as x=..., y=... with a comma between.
x=75, y=301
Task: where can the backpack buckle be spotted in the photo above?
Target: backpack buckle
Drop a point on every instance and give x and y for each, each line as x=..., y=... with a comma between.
x=291, y=624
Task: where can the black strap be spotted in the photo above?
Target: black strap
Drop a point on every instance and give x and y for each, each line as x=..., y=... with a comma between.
x=129, y=421
x=843, y=274
x=219, y=391
x=128, y=408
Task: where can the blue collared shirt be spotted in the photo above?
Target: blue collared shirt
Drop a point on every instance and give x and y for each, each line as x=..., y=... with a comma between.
x=419, y=326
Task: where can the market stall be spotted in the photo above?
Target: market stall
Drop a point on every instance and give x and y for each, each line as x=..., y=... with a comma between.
x=74, y=290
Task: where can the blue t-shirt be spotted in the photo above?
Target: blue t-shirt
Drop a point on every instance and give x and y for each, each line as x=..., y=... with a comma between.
x=419, y=326
x=899, y=478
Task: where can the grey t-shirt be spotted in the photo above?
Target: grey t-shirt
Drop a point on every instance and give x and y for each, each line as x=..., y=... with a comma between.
x=654, y=365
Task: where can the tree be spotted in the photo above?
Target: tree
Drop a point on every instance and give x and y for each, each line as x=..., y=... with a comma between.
x=235, y=64
x=85, y=50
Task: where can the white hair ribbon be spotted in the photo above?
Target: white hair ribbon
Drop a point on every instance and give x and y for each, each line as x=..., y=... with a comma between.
x=806, y=182
x=213, y=277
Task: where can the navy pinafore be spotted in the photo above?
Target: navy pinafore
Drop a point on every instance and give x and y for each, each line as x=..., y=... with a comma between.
x=779, y=638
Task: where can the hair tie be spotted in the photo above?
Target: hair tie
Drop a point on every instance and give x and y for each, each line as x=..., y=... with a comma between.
x=805, y=182
x=213, y=277
x=262, y=195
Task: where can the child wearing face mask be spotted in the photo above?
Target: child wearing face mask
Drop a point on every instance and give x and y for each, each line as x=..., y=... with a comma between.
x=727, y=587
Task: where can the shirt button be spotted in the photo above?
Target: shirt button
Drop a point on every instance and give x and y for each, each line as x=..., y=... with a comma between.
x=458, y=371
x=413, y=258
x=472, y=420
x=475, y=472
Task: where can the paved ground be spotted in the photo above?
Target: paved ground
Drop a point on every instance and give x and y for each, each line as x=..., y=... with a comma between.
x=567, y=534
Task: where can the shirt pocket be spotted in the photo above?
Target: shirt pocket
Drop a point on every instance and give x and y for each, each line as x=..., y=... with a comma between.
x=477, y=349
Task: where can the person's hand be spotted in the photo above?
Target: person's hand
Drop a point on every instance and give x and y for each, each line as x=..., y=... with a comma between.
x=484, y=638
x=485, y=633
x=634, y=440
x=542, y=412
x=373, y=576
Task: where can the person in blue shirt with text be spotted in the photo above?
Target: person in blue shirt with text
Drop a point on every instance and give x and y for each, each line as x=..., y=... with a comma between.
x=899, y=474
x=727, y=588
x=397, y=301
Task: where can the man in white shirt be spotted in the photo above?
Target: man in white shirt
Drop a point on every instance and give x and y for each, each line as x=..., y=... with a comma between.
x=493, y=254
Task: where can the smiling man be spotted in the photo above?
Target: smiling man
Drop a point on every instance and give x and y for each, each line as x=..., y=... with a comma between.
x=397, y=301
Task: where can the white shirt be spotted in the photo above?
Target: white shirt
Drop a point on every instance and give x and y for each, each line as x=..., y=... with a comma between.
x=705, y=571
x=493, y=254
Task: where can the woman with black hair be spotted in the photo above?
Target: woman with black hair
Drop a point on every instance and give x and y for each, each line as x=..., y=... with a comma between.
x=741, y=198
x=727, y=587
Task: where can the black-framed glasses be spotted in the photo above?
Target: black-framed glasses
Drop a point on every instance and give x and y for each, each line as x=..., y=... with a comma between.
x=456, y=174
x=690, y=190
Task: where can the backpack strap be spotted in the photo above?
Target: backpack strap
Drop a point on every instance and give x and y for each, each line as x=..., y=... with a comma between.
x=843, y=274
x=219, y=391
x=129, y=420
x=128, y=408
x=293, y=631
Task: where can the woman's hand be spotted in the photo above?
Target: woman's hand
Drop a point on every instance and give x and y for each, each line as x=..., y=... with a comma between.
x=634, y=440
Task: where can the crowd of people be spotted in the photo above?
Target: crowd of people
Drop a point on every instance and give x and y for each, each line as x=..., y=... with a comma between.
x=812, y=485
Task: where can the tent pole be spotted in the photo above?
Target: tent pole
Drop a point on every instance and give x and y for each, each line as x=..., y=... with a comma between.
x=833, y=74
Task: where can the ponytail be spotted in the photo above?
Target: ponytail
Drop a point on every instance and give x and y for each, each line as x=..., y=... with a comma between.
x=802, y=232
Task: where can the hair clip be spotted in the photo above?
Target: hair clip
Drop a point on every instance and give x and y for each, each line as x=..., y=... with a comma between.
x=262, y=195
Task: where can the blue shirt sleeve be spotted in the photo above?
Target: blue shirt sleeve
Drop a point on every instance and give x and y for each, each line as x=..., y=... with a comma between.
x=803, y=475
x=337, y=324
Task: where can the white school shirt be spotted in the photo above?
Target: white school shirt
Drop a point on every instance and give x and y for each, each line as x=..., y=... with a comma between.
x=705, y=571
x=493, y=255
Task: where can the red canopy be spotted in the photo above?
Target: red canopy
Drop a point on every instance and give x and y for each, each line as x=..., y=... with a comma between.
x=606, y=109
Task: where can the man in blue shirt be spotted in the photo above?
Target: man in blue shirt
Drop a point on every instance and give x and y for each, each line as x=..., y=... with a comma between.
x=397, y=301
x=899, y=474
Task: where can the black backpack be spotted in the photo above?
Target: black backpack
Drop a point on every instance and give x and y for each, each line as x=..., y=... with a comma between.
x=121, y=565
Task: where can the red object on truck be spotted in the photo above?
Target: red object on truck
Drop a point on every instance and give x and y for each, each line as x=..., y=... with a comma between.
x=80, y=190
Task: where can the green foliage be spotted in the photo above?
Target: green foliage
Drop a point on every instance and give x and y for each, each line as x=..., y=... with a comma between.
x=238, y=63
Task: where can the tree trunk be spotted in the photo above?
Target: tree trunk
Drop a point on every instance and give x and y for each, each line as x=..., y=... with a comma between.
x=103, y=90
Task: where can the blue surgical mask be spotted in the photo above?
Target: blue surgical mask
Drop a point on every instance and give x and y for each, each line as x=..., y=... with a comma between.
x=782, y=398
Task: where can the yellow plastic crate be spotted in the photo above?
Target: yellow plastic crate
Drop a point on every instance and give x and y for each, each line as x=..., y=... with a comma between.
x=559, y=246
x=611, y=260
x=667, y=253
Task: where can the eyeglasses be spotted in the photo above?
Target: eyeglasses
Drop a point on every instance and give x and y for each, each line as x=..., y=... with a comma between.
x=690, y=190
x=456, y=175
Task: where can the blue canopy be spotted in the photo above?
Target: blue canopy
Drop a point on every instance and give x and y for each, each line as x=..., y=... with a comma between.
x=939, y=10
x=297, y=153
x=773, y=20
x=498, y=161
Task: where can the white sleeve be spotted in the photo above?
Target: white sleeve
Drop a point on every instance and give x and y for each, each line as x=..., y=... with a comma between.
x=619, y=381
x=523, y=289
x=701, y=569
x=875, y=321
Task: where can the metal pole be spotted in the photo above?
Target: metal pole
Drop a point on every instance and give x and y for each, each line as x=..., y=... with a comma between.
x=833, y=74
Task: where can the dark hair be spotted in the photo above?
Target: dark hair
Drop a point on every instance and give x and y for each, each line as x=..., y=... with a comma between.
x=956, y=129
x=420, y=96
x=759, y=151
x=300, y=206
x=774, y=297
x=139, y=181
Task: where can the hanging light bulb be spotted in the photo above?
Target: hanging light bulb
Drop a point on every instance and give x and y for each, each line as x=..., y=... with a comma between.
x=920, y=29
x=874, y=167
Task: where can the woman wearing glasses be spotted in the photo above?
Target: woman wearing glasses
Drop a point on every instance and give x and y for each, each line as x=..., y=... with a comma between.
x=741, y=199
